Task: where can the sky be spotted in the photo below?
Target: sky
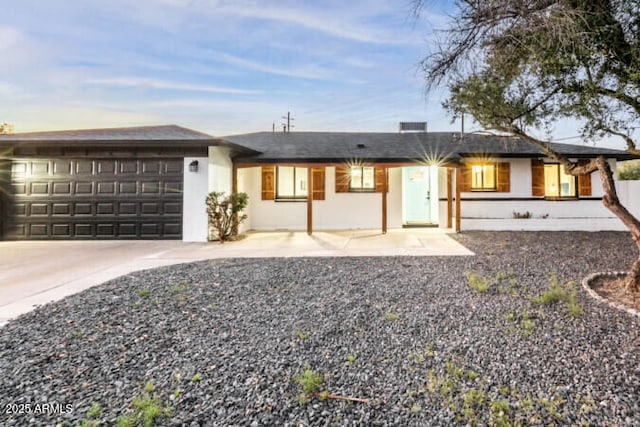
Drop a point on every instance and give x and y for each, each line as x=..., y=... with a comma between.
x=220, y=66
x=217, y=66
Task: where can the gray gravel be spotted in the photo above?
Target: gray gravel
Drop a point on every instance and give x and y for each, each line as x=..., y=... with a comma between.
x=407, y=333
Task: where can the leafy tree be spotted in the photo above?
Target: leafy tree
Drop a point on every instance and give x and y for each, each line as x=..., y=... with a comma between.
x=223, y=213
x=6, y=128
x=519, y=66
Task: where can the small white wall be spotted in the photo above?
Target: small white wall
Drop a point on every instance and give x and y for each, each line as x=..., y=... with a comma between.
x=194, y=214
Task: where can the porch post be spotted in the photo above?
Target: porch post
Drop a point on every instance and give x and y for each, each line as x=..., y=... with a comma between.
x=234, y=190
x=309, y=200
x=458, y=182
x=449, y=198
x=384, y=200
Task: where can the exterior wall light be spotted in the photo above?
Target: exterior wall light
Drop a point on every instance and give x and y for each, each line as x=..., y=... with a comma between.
x=193, y=166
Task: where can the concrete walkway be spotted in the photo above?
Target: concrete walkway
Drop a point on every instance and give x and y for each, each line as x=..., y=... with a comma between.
x=34, y=273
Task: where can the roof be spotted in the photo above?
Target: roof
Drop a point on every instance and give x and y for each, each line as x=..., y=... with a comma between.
x=169, y=135
x=394, y=147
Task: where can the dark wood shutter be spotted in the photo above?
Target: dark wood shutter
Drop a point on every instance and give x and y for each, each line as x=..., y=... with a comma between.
x=342, y=179
x=465, y=174
x=584, y=181
x=380, y=181
x=318, y=183
x=268, y=183
x=504, y=177
x=537, y=177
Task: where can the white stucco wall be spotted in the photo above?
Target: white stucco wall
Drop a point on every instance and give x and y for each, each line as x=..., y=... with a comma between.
x=629, y=195
x=220, y=169
x=194, y=214
x=337, y=211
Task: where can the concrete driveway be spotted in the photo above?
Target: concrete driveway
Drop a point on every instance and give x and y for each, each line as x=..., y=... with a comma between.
x=34, y=273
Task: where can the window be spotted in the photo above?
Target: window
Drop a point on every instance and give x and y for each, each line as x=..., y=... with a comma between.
x=362, y=178
x=291, y=182
x=557, y=183
x=483, y=177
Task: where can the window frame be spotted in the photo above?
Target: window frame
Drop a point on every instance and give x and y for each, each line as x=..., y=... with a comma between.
x=560, y=173
x=362, y=188
x=295, y=197
x=483, y=188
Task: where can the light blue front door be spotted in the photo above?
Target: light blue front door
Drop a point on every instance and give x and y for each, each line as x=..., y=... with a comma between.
x=417, y=194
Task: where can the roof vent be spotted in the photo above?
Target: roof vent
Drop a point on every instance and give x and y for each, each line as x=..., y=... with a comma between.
x=413, y=127
x=361, y=145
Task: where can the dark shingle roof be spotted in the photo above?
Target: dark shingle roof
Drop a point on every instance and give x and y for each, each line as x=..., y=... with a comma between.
x=393, y=147
x=168, y=135
x=147, y=133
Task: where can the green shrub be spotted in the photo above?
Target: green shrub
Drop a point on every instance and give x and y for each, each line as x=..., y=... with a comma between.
x=223, y=213
x=629, y=170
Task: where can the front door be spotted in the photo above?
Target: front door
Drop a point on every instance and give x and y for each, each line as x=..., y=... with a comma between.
x=416, y=194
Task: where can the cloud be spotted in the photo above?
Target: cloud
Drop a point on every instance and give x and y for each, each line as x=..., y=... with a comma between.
x=168, y=85
x=307, y=72
x=335, y=24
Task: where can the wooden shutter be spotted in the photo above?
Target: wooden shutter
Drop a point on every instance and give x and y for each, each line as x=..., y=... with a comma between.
x=537, y=177
x=342, y=179
x=318, y=183
x=465, y=174
x=380, y=181
x=584, y=181
x=268, y=183
x=504, y=177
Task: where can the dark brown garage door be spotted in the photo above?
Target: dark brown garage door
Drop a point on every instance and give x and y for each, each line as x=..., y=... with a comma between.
x=95, y=199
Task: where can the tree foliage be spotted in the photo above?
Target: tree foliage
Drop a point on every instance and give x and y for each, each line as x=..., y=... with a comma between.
x=223, y=212
x=6, y=128
x=520, y=66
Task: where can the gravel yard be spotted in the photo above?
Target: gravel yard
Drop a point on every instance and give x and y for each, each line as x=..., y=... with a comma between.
x=225, y=342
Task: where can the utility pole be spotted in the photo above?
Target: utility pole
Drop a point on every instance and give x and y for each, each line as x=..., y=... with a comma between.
x=287, y=126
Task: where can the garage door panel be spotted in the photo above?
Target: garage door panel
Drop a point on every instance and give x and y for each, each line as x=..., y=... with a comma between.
x=83, y=230
x=40, y=168
x=173, y=187
x=173, y=229
x=173, y=167
x=39, y=209
x=96, y=198
x=19, y=209
x=39, y=188
x=84, y=167
x=107, y=208
x=62, y=167
x=128, y=187
x=84, y=188
x=83, y=209
x=127, y=230
x=19, y=168
x=150, y=208
x=106, y=167
x=128, y=208
x=150, y=187
x=61, y=209
x=151, y=167
x=61, y=230
x=172, y=208
x=128, y=167
x=107, y=187
x=39, y=230
x=150, y=230
x=19, y=188
x=61, y=188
